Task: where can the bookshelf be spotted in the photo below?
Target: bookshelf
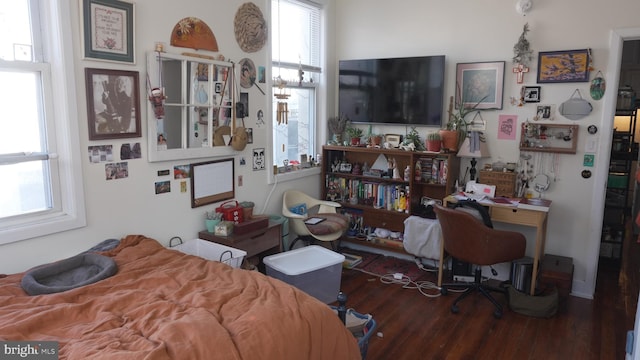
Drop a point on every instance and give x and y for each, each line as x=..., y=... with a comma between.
x=374, y=196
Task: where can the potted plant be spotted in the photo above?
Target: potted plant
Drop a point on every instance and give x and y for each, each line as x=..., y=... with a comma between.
x=412, y=139
x=434, y=142
x=456, y=128
x=337, y=126
x=354, y=134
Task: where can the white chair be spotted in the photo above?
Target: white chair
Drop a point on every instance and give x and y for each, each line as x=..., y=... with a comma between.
x=298, y=207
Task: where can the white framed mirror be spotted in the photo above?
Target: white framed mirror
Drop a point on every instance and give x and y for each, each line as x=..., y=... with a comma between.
x=193, y=117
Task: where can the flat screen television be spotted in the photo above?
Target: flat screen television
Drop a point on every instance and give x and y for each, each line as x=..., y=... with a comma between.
x=398, y=91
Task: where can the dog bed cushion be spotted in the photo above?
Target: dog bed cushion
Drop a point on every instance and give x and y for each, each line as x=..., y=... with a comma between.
x=80, y=270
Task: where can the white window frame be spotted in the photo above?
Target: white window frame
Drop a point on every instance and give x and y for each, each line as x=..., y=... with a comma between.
x=320, y=94
x=61, y=109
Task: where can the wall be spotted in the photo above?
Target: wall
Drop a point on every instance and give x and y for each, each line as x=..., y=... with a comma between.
x=486, y=31
x=116, y=208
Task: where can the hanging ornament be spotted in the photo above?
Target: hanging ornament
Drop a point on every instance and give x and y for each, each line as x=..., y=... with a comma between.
x=522, y=55
x=598, y=86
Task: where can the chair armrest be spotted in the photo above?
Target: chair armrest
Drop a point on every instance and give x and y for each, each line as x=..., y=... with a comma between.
x=287, y=213
x=327, y=206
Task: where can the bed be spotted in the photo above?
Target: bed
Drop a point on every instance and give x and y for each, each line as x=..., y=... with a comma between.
x=164, y=304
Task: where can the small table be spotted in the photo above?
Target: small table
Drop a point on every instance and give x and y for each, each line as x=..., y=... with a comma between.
x=265, y=241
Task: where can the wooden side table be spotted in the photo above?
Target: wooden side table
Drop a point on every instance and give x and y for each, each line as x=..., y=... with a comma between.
x=260, y=243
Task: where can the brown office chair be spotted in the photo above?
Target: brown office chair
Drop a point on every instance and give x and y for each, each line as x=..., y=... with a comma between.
x=468, y=239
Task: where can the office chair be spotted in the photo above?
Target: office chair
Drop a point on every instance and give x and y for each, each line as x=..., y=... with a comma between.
x=467, y=238
x=298, y=207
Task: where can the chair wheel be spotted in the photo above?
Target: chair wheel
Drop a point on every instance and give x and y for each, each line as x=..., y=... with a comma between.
x=497, y=314
x=455, y=309
x=444, y=291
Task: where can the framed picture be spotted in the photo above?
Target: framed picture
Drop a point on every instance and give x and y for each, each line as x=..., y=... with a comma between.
x=108, y=30
x=113, y=104
x=531, y=94
x=480, y=84
x=563, y=66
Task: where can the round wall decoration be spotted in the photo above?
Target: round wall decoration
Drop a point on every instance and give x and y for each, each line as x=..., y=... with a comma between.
x=193, y=33
x=250, y=28
x=247, y=73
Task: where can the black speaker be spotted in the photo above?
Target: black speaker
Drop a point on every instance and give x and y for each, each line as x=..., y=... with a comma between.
x=461, y=268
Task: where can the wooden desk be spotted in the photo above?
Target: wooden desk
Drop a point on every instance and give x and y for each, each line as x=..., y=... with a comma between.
x=536, y=218
x=258, y=242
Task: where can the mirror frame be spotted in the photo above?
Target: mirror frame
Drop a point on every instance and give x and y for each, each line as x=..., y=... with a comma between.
x=184, y=152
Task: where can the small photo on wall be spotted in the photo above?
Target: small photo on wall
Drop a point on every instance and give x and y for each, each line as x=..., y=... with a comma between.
x=163, y=187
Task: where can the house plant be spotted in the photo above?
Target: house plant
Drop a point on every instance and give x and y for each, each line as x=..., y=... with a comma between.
x=337, y=125
x=456, y=129
x=434, y=142
x=413, y=138
x=354, y=134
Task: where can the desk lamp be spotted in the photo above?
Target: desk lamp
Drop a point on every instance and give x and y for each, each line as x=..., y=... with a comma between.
x=473, y=147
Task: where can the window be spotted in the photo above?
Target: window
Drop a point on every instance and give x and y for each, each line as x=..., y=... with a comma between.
x=41, y=190
x=295, y=50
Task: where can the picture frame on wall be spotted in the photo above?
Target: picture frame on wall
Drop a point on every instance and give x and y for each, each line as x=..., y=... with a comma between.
x=563, y=66
x=108, y=30
x=480, y=84
x=531, y=94
x=113, y=104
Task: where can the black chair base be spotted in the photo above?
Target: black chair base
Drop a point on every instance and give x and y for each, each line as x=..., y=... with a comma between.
x=475, y=286
x=310, y=240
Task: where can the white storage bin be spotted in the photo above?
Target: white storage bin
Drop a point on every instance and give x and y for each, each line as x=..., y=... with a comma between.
x=213, y=251
x=312, y=269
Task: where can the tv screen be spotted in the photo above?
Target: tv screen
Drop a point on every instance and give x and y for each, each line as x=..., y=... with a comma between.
x=403, y=91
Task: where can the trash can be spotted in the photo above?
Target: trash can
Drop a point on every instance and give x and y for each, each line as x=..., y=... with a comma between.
x=279, y=219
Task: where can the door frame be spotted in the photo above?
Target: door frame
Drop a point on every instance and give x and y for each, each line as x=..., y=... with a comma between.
x=616, y=41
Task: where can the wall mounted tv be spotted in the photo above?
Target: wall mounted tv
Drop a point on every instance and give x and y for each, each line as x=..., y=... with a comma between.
x=398, y=91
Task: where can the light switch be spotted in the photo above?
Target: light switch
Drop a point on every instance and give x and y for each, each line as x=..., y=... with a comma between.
x=591, y=145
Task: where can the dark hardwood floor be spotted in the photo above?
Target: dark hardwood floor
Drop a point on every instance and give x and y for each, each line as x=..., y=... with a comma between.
x=414, y=326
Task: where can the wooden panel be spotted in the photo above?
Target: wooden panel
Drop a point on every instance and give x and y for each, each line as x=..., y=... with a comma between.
x=516, y=216
x=505, y=182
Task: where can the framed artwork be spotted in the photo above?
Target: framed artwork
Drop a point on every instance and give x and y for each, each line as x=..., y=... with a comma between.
x=531, y=94
x=480, y=85
x=545, y=112
x=113, y=104
x=108, y=30
x=563, y=66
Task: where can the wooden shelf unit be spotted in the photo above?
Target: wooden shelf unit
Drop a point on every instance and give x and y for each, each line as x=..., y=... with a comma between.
x=341, y=186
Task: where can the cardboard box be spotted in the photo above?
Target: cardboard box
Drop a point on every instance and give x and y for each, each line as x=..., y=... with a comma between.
x=312, y=269
x=213, y=251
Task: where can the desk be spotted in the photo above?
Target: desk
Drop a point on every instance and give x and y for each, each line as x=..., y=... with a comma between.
x=534, y=216
x=258, y=242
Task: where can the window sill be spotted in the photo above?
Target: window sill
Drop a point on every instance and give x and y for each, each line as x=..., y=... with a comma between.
x=295, y=175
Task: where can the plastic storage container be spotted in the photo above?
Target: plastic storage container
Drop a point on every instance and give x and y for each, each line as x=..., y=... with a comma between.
x=312, y=269
x=213, y=251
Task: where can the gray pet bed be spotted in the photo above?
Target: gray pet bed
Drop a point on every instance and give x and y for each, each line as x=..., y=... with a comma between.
x=80, y=270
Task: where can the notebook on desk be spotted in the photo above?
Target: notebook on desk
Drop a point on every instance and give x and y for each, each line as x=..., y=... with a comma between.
x=534, y=204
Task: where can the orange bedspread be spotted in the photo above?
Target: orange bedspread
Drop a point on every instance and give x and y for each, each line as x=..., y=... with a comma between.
x=163, y=304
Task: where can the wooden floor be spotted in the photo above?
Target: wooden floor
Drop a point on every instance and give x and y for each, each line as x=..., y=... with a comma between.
x=414, y=326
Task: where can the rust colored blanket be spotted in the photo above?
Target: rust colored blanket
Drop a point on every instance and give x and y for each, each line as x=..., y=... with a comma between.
x=163, y=304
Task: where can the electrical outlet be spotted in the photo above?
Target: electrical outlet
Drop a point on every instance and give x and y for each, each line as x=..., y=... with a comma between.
x=239, y=180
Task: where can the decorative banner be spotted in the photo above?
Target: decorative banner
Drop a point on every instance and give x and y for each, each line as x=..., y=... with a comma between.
x=507, y=127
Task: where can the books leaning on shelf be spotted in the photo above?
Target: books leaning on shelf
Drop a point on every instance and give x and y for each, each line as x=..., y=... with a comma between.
x=350, y=260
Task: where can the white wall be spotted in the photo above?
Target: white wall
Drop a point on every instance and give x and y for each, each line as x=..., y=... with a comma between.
x=474, y=31
x=116, y=208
